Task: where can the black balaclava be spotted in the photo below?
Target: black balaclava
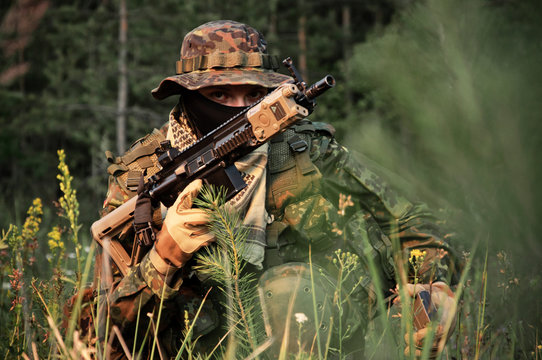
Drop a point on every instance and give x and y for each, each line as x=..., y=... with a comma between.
x=206, y=114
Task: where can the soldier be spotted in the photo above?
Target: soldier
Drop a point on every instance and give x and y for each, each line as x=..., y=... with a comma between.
x=304, y=191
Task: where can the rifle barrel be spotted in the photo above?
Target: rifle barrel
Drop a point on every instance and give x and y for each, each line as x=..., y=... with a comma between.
x=318, y=88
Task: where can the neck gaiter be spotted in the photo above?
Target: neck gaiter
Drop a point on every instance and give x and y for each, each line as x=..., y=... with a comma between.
x=206, y=114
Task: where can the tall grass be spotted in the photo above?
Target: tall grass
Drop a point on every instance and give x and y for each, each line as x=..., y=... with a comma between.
x=36, y=299
x=34, y=313
x=451, y=104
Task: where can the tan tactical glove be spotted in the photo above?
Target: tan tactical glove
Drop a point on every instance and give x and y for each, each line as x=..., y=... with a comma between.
x=184, y=230
x=442, y=298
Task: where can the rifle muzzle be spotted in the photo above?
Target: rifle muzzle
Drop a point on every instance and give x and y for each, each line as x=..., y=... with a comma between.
x=321, y=86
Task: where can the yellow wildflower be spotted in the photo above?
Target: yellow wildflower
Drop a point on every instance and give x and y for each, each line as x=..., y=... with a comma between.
x=68, y=201
x=33, y=220
x=55, y=239
x=416, y=256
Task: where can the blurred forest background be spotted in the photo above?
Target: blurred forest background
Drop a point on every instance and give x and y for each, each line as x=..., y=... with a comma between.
x=446, y=93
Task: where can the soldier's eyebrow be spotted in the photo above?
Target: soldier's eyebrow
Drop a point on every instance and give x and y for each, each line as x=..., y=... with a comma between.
x=229, y=88
x=223, y=88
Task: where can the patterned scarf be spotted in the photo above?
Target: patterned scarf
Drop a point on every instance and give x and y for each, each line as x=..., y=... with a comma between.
x=249, y=202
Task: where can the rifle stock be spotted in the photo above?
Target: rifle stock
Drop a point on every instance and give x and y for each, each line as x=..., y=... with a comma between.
x=106, y=230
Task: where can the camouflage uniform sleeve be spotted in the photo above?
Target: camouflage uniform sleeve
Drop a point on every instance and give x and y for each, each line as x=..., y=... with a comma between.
x=141, y=288
x=380, y=224
x=137, y=293
x=129, y=304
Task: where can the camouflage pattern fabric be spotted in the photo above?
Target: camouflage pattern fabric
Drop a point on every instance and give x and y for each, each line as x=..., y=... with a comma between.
x=346, y=206
x=222, y=52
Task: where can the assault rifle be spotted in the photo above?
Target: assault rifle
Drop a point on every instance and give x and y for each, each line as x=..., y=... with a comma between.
x=211, y=159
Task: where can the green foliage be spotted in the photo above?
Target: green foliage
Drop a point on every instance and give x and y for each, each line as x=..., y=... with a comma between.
x=451, y=101
x=224, y=265
x=346, y=264
x=35, y=305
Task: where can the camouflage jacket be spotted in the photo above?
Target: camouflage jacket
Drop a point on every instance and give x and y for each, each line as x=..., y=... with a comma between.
x=321, y=196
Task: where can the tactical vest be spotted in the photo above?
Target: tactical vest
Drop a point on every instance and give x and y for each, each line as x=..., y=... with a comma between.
x=293, y=175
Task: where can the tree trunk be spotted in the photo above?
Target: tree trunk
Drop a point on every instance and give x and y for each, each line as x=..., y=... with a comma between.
x=347, y=53
x=122, y=98
x=272, y=32
x=302, y=39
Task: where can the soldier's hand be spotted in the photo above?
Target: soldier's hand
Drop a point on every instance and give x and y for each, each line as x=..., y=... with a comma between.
x=442, y=323
x=185, y=229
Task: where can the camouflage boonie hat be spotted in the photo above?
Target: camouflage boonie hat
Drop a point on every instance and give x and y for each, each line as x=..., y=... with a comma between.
x=222, y=52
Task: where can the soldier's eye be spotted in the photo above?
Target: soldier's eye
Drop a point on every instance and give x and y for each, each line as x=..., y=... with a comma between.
x=255, y=95
x=215, y=94
x=218, y=95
